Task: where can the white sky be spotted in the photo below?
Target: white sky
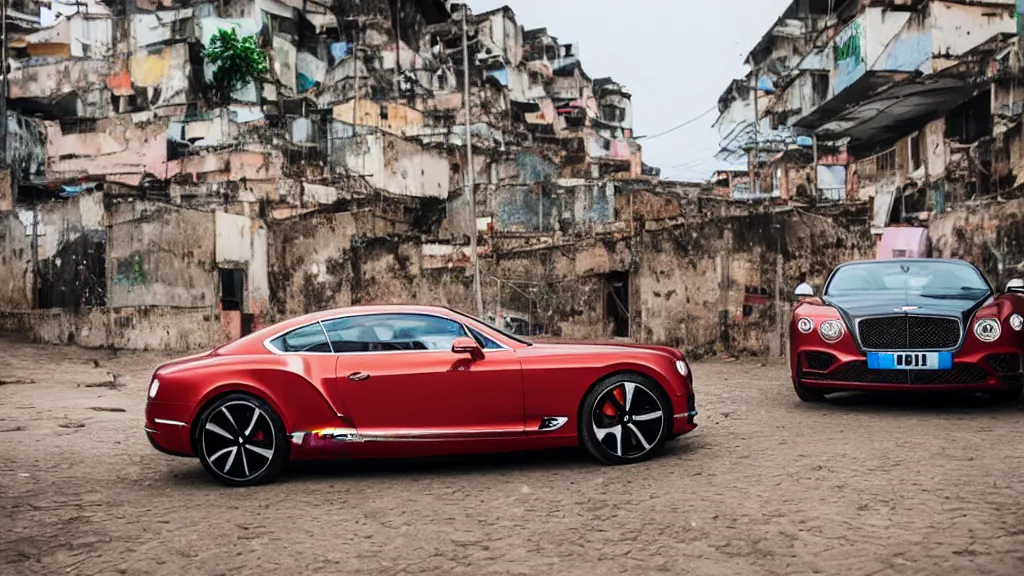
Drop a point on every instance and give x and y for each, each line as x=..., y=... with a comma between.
x=675, y=56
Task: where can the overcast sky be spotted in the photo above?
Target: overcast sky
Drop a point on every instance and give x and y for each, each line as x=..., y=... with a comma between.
x=676, y=56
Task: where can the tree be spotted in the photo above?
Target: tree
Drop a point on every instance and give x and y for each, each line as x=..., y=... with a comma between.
x=237, y=61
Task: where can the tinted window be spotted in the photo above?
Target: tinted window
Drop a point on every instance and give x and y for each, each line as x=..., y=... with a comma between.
x=495, y=328
x=924, y=278
x=392, y=332
x=484, y=342
x=306, y=339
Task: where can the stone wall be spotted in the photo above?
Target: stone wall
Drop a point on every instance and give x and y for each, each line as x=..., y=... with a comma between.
x=990, y=235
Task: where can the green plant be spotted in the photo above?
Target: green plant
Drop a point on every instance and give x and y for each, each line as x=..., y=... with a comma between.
x=237, y=61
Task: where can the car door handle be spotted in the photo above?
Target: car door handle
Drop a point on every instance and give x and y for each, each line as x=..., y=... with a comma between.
x=358, y=376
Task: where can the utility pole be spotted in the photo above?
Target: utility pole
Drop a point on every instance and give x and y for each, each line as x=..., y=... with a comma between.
x=3, y=86
x=398, y=44
x=470, y=187
x=814, y=192
x=757, y=151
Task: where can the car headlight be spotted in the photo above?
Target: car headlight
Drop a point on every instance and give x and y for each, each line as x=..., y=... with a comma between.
x=153, y=387
x=987, y=329
x=805, y=325
x=682, y=367
x=1017, y=322
x=831, y=330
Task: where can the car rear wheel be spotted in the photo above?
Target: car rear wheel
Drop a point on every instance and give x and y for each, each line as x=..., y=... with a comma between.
x=806, y=394
x=625, y=418
x=240, y=441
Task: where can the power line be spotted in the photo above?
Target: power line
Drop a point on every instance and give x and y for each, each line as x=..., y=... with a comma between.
x=687, y=123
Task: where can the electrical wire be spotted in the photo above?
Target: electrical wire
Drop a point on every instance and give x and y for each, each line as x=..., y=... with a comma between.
x=687, y=123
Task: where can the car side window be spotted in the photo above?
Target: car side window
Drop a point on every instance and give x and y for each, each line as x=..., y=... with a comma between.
x=484, y=342
x=306, y=339
x=392, y=333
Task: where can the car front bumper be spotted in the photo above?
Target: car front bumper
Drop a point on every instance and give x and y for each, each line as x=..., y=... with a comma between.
x=993, y=369
x=168, y=429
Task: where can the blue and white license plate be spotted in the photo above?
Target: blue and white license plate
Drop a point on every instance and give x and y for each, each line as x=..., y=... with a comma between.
x=910, y=360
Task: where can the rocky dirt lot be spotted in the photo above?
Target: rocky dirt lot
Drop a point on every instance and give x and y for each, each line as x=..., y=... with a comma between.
x=866, y=485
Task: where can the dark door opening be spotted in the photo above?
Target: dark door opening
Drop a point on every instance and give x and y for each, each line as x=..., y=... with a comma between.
x=231, y=289
x=616, y=303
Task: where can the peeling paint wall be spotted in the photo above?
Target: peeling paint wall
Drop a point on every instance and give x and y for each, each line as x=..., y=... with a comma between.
x=398, y=166
x=118, y=149
x=989, y=235
x=71, y=253
x=958, y=27
x=242, y=242
x=15, y=263
x=152, y=263
x=165, y=329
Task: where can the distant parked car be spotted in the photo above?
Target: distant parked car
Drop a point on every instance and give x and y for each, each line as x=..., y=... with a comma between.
x=391, y=381
x=907, y=324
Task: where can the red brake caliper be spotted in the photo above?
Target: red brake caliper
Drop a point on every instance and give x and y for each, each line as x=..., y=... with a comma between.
x=609, y=409
x=258, y=436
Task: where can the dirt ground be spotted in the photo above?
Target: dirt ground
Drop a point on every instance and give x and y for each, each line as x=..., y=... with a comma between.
x=866, y=485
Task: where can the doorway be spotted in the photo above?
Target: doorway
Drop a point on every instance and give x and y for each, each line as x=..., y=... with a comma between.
x=616, y=303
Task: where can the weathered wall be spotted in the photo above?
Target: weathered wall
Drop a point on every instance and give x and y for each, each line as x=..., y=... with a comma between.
x=15, y=263
x=311, y=259
x=989, y=235
x=728, y=265
x=172, y=329
x=71, y=241
x=165, y=258
x=398, y=166
x=242, y=243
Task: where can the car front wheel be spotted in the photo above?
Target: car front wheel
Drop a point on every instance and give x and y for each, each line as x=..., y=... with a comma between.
x=240, y=441
x=625, y=418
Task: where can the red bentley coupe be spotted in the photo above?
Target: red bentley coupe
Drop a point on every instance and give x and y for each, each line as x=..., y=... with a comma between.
x=908, y=324
x=393, y=381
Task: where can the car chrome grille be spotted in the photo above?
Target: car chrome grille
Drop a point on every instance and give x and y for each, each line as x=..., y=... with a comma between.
x=857, y=372
x=908, y=333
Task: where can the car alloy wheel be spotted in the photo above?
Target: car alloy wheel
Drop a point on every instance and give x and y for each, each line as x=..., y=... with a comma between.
x=239, y=441
x=628, y=420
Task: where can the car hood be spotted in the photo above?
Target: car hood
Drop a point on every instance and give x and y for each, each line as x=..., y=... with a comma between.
x=852, y=307
x=590, y=347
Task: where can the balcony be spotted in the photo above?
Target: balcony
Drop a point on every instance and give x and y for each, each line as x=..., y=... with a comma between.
x=883, y=47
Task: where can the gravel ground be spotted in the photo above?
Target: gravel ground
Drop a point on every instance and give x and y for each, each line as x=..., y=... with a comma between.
x=864, y=485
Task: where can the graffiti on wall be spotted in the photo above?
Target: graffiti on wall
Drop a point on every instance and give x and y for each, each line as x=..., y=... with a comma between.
x=130, y=271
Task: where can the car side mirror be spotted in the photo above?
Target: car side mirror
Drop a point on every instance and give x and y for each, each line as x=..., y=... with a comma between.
x=466, y=345
x=1015, y=285
x=804, y=290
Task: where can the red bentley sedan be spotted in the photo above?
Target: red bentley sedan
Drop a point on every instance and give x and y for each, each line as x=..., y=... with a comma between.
x=908, y=324
x=393, y=381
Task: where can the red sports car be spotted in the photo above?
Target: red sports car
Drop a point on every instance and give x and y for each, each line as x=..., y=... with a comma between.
x=393, y=381
x=909, y=324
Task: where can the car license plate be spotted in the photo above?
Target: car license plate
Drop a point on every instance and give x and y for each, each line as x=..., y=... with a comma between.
x=910, y=360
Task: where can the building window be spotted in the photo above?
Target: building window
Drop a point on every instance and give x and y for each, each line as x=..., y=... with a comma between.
x=915, y=151
x=819, y=87
x=886, y=162
x=231, y=289
x=78, y=125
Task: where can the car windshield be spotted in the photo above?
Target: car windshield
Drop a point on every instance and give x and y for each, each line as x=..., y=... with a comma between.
x=496, y=329
x=926, y=279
